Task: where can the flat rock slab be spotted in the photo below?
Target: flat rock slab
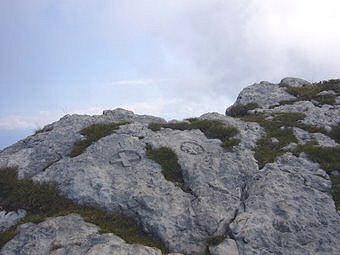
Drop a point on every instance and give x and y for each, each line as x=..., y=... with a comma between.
x=69, y=235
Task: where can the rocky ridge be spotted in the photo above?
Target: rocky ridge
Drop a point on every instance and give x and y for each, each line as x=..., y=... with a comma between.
x=235, y=200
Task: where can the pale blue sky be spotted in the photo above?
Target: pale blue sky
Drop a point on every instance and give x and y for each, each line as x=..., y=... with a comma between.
x=174, y=59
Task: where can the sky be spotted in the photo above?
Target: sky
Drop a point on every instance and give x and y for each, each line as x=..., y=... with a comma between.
x=174, y=59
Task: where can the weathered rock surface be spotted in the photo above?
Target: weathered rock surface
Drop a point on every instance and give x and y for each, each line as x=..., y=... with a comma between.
x=69, y=235
x=288, y=211
x=284, y=208
x=306, y=137
x=325, y=116
x=227, y=247
x=264, y=94
x=294, y=82
x=9, y=219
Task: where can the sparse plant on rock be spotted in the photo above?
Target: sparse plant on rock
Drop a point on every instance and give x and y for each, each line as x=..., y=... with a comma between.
x=168, y=160
x=213, y=129
x=94, y=133
x=42, y=201
x=240, y=110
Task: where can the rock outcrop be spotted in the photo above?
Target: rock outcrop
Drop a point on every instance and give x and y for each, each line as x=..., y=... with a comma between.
x=9, y=219
x=69, y=235
x=283, y=208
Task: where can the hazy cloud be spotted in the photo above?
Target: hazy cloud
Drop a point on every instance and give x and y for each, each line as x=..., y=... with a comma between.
x=190, y=56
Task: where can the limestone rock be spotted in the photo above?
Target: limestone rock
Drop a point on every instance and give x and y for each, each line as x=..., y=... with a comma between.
x=227, y=247
x=263, y=94
x=305, y=137
x=69, y=235
x=9, y=219
x=294, y=82
x=287, y=210
x=284, y=208
x=324, y=116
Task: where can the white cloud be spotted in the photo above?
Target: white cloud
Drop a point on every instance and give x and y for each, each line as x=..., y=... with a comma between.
x=28, y=122
x=207, y=50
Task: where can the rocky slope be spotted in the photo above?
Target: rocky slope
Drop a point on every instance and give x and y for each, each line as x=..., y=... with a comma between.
x=258, y=180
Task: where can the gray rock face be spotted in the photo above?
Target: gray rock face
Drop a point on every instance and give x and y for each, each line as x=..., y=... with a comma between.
x=227, y=247
x=69, y=235
x=115, y=173
x=37, y=152
x=284, y=208
x=326, y=116
x=264, y=94
x=294, y=82
x=288, y=211
x=9, y=219
x=305, y=137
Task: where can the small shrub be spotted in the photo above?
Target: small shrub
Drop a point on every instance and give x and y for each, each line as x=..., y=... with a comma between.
x=312, y=129
x=325, y=99
x=280, y=128
x=42, y=201
x=327, y=157
x=216, y=240
x=310, y=92
x=213, y=129
x=94, y=133
x=240, y=110
x=335, y=133
x=230, y=143
x=6, y=236
x=266, y=151
x=333, y=84
x=285, y=102
x=168, y=160
x=336, y=190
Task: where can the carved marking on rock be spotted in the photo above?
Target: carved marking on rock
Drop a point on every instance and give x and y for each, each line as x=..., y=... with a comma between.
x=192, y=148
x=126, y=158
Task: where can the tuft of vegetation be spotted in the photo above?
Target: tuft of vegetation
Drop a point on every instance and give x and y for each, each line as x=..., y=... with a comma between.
x=333, y=84
x=310, y=92
x=168, y=160
x=335, y=133
x=94, y=133
x=213, y=129
x=230, y=143
x=216, y=240
x=285, y=102
x=240, y=110
x=42, y=201
x=336, y=190
x=7, y=236
x=278, y=127
x=327, y=157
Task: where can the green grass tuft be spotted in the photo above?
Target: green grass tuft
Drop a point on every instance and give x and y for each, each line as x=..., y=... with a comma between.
x=335, y=133
x=336, y=190
x=42, y=201
x=327, y=157
x=280, y=128
x=240, y=110
x=230, y=143
x=168, y=160
x=213, y=129
x=7, y=236
x=94, y=133
x=216, y=240
x=310, y=92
